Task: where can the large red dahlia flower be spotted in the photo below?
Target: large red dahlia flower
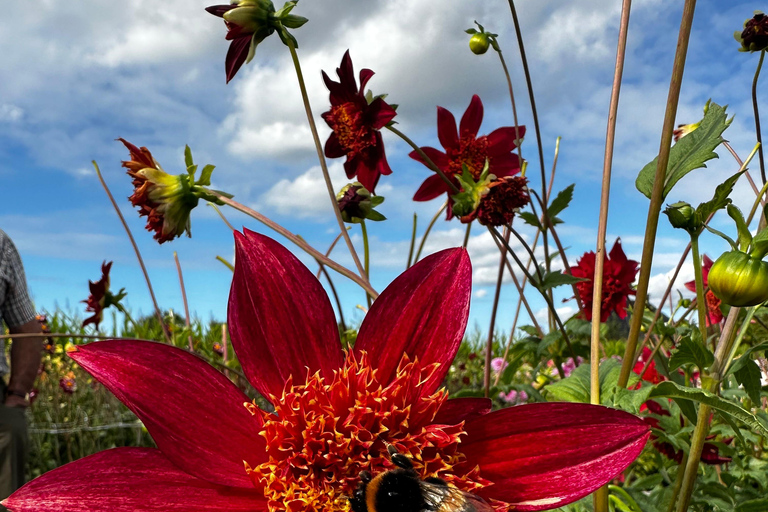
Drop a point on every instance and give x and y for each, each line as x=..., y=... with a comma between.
x=333, y=412
x=356, y=124
x=618, y=275
x=714, y=313
x=466, y=148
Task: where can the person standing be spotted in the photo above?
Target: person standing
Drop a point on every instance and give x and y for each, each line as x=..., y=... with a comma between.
x=17, y=312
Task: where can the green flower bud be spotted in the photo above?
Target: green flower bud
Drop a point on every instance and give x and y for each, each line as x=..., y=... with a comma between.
x=357, y=204
x=681, y=215
x=479, y=43
x=738, y=279
x=685, y=303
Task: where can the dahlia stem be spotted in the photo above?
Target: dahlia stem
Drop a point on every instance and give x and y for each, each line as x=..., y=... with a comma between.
x=701, y=306
x=678, y=483
x=654, y=209
x=429, y=228
x=328, y=253
x=746, y=171
x=223, y=218
x=413, y=242
x=320, y=257
x=425, y=158
x=336, y=297
x=226, y=263
x=366, y=257
x=514, y=106
x=136, y=249
x=128, y=316
x=321, y=158
x=494, y=309
x=757, y=114
x=740, y=337
x=186, y=304
x=466, y=235
x=711, y=384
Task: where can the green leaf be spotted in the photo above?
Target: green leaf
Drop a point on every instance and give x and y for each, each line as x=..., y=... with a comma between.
x=293, y=21
x=553, y=279
x=745, y=237
x=739, y=363
x=188, y=157
x=760, y=242
x=575, y=388
x=690, y=352
x=530, y=219
x=719, y=201
x=205, y=175
x=375, y=216
x=758, y=505
x=669, y=389
x=689, y=153
x=561, y=202
x=749, y=376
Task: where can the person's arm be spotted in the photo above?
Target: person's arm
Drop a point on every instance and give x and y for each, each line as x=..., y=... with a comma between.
x=25, y=361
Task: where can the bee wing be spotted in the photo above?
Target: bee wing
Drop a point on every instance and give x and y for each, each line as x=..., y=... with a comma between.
x=442, y=498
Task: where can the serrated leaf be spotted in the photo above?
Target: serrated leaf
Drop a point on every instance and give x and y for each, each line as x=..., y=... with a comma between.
x=689, y=153
x=690, y=352
x=669, y=389
x=719, y=200
x=547, y=341
x=749, y=376
x=745, y=237
x=746, y=356
x=553, y=279
x=205, y=175
x=530, y=219
x=561, y=201
x=575, y=388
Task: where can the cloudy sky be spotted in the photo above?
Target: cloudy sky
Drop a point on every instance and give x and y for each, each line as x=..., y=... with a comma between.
x=76, y=76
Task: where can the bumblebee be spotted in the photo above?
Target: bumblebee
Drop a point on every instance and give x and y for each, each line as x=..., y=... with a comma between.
x=401, y=490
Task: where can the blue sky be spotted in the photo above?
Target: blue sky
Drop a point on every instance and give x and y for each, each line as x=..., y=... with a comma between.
x=74, y=78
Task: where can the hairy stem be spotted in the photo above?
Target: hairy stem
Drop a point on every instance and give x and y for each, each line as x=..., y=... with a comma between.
x=184, y=299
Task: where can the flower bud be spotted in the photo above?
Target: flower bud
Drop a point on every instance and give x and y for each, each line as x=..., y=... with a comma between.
x=356, y=204
x=479, y=43
x=754, y=37
x=739, y=279
x=681, y=215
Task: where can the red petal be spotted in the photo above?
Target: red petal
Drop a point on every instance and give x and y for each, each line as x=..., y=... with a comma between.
x=546, y=455
x=195, y=414
x=236, y=55
x=280, y=319
x=219, y=10
x=365, y=75
x=423, y=313
x=472, y=118
x=438, y=158
x=380, y=113
x=332, y=147
x=430, y=189
x=129, y=480
x=446, y=129
x=502, y=140
x=505, y=165
x=456, y=410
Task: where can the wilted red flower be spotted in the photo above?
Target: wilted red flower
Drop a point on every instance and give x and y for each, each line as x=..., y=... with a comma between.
x=100, y=297
x=333, y=412
x=356, y=123
x=466, y=148
x=714, y=314
x=218, y=348
x=754, y=37
x=504, y=198
x=68, y=384
x=618, y=276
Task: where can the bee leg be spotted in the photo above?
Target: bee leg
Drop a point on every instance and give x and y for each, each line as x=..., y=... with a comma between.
x=365, y=476
x=398, y=459
x=436, y=481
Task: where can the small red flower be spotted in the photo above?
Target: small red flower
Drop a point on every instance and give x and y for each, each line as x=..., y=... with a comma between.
x=68, y=384
x=504, y=198
x=466, y=148
x=714, y=314
x=218, y=348
x=356, y=125
x=651, y=375
x=334, y=412
x=96, y=301
x=618, y=276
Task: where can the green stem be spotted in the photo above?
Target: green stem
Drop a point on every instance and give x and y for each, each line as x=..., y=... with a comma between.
x=366, y=256
x=757, y=114
x=514, y=106
x=429, y=228
x=657, y=194
x=701, y=301
x=321, y=158
x=678, y=483
x=466, y=235
x=124, y=311
x=740, y=337
x=494, y=310
x=429, y=163
x=335, y=296
x=413, y=242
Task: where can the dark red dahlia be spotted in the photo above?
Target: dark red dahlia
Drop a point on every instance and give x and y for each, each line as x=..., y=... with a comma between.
x=504, y=198
x=356, y=123
x=714, y=314
x=754, y=37
x=618, y=276
x=466, y=148
x=96, y=301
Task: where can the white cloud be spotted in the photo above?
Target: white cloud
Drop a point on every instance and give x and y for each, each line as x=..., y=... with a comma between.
x=305, y=197
x=10, y=113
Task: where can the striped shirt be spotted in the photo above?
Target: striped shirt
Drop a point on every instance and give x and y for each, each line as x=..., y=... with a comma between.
x=15, y=306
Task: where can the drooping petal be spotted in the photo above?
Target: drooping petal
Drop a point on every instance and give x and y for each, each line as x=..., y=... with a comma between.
x=456, y=410
x=423, y=313
x=380, y=113
x=365, y=75
x=472, y=118
x=280, y=319
x=236, y=55
x=545, y=455
x=502, y=140
x=507, y=164
x=430, y=189
x=333, y=148
x=129, y=480
x=446, y=129
x=438, y=158
x=194, y=414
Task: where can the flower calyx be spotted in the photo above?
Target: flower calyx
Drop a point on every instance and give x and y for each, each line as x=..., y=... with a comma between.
x=739, y=279
x=481, y=40
x=357, y=204
x=467, y=201
x=754, y=37
x=682, y=216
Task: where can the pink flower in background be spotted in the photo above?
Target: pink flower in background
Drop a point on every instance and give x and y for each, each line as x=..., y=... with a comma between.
x=498, y=364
